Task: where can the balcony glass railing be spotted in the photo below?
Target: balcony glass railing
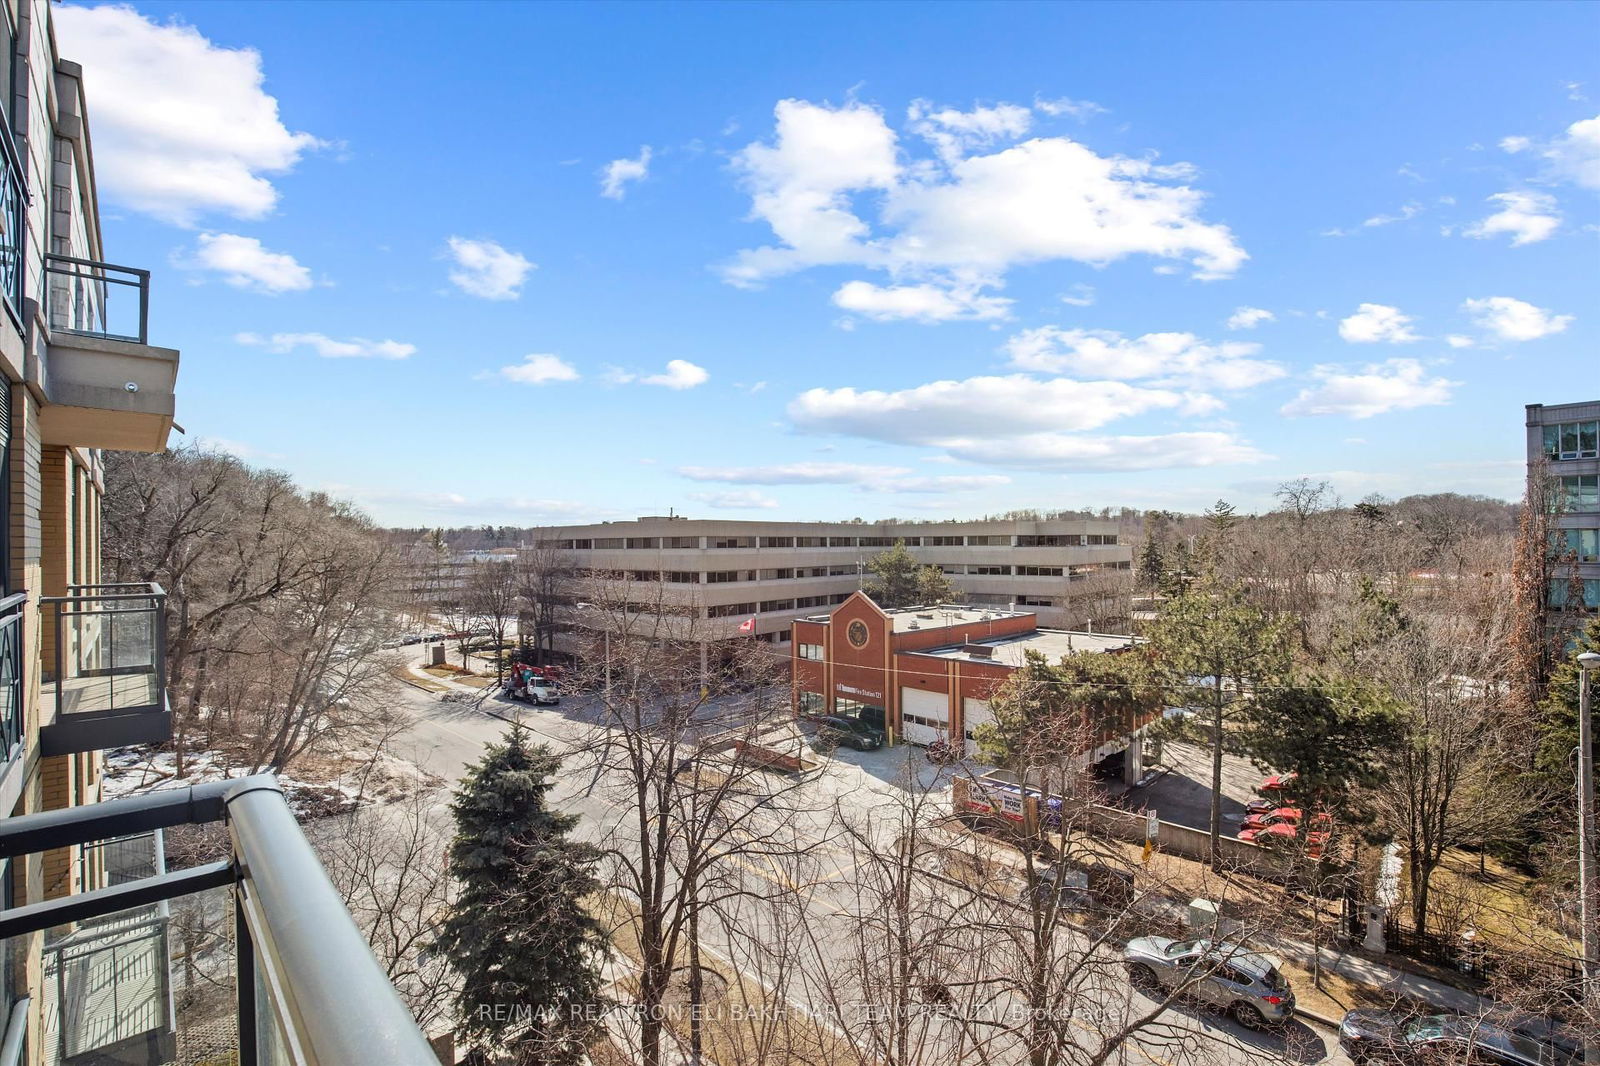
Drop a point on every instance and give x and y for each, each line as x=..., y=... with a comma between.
x=97, y=299
x=105, y=667
x=13, y=223
x=250, y=960
x=12, y=618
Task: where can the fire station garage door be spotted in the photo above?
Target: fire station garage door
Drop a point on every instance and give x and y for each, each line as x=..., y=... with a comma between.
x=924, y=716
x=973, y=714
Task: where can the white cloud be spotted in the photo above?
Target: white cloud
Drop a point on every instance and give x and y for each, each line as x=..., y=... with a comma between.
x=248, y=453
x=1458, y=340
x=1527, y=216
x=939, y=484
x=616, y=175
x=680, y=374
x=245, y=264
x=410, y=508
x=958, y=220
x=1395, y=385
x=1407, y=211
x=738, y=500
x=1375, y=323
x=1172, y=359
x=539, y=369
x=1575, y=156
x=1250, y=318
x=485, y=269
x=326, y=346
x=182, y=127
x=1513, y=145
x=1080, y=295
x=920, y=303
x=1081, y=110
x=794, y=474
x=1514, y=320
x=1070, y=452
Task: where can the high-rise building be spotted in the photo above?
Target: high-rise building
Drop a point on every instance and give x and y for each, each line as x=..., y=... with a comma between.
x=86, y=934
x=1564, y=439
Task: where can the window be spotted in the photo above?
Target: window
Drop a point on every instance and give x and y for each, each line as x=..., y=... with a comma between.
x=777, y=542
x=841, y=542
x=990, y=569
x=952, y=568
x=812, y=571
x=644, y=575
x=811, y=542
x=1051, y=540
x=993, y=540
x=811, y=651
x=776, y=605
x=1040, y=571
x=1561, y=588
x=843, y=571
x=813, y=601
x=877, y=542
x=732, y=542
x=583, y=544
x=1583, y=544
x=1579, y=492
x=680, y=542
x=680, y=577
x=1572, y=440
x=644, y=542
x=718, y=577
x=1035, y=601
x=1102, y=538
x=608, y=542
x=730, y=610
x=912, y=542
x=810, y=702
x=782, y=574
x=946, y=542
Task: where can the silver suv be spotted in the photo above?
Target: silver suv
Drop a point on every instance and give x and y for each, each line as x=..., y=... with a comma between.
x=1228, y=977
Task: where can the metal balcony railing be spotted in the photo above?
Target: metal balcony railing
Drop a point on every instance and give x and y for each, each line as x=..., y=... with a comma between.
x=105, y=667
x=12, y=619
x=306, y=990
x=13, y=223
x=78, y=293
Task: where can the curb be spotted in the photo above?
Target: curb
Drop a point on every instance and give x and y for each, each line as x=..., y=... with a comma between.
x=1316, y=1018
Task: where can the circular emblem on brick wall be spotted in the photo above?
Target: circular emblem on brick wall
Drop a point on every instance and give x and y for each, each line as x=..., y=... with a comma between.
x=857, y=634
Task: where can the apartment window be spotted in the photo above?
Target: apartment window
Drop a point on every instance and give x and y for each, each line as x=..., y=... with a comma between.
x=811, y=542
x=609, y=542
x=990, y=540
x=946, y=542
x=680, y=542
x=841, y=542
x=781, y=574
x=733, y=542
x=1572, y=440
x=644, y=542
x=680, y=577
x=777, y=542
x=1040, y=571
x=1582, y=544
x=776, y=605
x=730, y=610
x=989, y=569
x=1579, y=492
x=1561, y=588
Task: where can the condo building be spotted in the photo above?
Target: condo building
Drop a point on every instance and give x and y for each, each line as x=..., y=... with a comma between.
x=1565, y=440
x=86, y=935
x=729, y=572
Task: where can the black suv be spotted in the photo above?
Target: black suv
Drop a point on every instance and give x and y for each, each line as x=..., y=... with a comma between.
x=836, y=729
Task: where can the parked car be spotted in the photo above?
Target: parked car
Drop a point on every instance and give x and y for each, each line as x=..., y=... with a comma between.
x=1284, y=833
x=1322, y=820
x=1383, y=1036
x=1277, y=783
x=1227, y=977
x=835, y=729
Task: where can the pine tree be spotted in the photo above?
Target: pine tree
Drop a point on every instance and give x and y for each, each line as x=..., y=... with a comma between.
x=527, y=951
x=894, y=581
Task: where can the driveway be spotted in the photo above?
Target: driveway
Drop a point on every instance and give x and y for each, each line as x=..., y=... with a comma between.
x=1182, y=795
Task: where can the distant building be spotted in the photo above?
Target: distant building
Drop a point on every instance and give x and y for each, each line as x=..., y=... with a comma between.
x=1566, y=439
x=926, y=674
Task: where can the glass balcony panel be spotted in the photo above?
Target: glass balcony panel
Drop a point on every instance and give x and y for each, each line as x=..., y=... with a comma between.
x=105, y=672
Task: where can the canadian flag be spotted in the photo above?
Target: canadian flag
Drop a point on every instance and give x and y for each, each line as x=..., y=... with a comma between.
x=748, y=625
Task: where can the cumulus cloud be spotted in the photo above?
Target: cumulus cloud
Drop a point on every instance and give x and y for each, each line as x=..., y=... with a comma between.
x=1250, y=318
x=1515, y=320
x=1527, y=217
x=1572, y=157
x=837, y=187
x=539, y=369
x=919, y=303
x=736, y=500
x=487, y=270
x=1375, y=323
x=1080, y=295
x=182, y=126
x=1179, y=360
x=794, y=474
x=940, y=484
x=1070, y=452
x=1458, y=340
x=1394, y=385
x=245, y=264
x=680, y=374
x=615, y=175
x=327, y=347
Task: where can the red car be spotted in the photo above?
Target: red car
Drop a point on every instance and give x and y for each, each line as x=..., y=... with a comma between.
x=1277, y=782
x=1282, y=833
x=1286, y=816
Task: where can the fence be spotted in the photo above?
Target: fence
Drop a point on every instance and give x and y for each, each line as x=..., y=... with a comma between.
x=1531, y=972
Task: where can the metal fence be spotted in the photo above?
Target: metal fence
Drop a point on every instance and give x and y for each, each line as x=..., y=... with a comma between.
x=96, y=299
x=11, y=623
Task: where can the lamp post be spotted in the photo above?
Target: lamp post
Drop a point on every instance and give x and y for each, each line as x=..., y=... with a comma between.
x=1586, y=858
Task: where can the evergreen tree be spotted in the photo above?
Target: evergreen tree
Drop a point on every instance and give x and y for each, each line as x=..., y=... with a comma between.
x=933, y=587
x=1558, y=724
x=527, y=951
x=1152, y=567
x=894, y=580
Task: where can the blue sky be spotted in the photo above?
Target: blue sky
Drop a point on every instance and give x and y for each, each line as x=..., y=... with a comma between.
x=542, y=263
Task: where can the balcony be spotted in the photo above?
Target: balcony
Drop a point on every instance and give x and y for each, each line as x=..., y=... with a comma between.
x=105, y=668
x=108, y=386
x=252, y=959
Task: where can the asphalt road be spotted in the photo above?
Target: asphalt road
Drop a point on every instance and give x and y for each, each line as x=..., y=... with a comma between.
x=447, y=737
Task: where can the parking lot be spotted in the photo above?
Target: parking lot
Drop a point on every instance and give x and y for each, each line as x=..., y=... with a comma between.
x=1182, y=795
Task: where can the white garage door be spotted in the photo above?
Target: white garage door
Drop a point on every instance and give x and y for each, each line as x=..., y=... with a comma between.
x=973, y=714
x=924, y=716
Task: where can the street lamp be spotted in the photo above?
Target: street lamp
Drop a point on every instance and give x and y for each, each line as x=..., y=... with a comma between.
x=1586, y=858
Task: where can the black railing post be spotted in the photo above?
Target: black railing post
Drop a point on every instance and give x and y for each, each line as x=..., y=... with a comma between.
x=244, y=961
x=144, y=307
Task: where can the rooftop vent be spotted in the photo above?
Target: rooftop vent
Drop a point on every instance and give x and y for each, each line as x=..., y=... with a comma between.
x=978, y=651
x=929, y=617
x=913, y=625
